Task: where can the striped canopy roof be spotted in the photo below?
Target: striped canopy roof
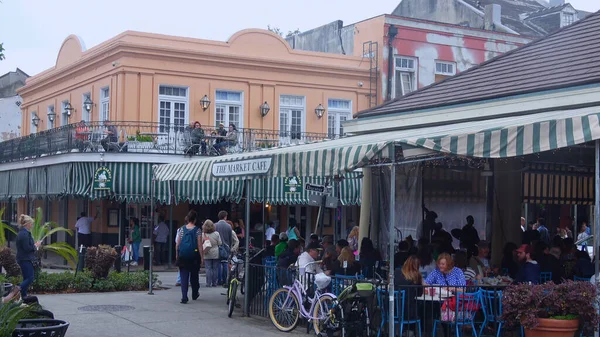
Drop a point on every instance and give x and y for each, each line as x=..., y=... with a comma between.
x=492, y=138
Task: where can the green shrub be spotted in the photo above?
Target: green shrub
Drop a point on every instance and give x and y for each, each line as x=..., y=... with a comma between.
x=99, y=260
x=82, y=282
x=85, y=282
x=104, y=285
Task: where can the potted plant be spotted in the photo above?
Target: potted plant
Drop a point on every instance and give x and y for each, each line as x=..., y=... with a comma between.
x=42, y=230
x=551, y=309
x=10, y=314
x=100, y=259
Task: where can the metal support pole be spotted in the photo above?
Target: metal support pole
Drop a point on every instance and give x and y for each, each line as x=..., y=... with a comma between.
x=247, y=266
x=150, y=277
x=391, y=236
x=170, y=231
x=597, y=208
x=264, y=220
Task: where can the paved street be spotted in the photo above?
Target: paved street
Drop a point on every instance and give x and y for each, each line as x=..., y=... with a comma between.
x=155, y=315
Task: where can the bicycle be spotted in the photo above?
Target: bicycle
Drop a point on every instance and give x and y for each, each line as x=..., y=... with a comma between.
x=289, y=301
x=236, y=277
x=236, y=274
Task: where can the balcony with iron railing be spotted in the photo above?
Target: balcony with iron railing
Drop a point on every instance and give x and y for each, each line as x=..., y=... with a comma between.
x=146, y=137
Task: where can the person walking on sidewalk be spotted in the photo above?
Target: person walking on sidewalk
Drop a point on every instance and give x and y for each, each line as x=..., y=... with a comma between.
x=188, y=250
x=161, y=233
x=226, y=233
x=211, y=240
x=26, y=253
x=135, y=239
x=84, y=229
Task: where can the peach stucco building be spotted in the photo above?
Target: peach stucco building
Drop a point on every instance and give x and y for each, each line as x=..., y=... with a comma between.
x=150, y=87
x=127, y=76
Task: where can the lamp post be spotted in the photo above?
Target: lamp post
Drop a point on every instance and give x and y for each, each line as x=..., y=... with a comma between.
x=205, y=102
x=35, y=120
x=69, y=108
x=88, y=104
x=319, y=111
x=264, y=109
x=51, y=115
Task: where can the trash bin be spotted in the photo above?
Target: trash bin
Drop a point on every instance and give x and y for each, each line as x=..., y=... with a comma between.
x=147, y=259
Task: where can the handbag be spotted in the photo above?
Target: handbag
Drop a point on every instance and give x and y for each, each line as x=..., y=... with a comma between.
x=206, y=246
x=223, y=252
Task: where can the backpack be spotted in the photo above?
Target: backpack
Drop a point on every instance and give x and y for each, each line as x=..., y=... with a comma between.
x=188, y=246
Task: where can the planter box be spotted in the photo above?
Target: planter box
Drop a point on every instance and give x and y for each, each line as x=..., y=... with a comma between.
x=7, y=289
x=41, y=327
x=554, y=328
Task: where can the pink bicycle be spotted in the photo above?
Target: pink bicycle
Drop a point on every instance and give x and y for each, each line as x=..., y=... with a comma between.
x=289, y=303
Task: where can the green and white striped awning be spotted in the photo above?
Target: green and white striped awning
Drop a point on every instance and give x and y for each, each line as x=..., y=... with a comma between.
x=131, y=182
x=273, y=191
x=208, y=192
x=491, y=138
x=4, y=185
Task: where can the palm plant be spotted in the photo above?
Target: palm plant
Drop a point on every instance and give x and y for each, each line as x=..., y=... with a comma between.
x=7, y=258
x=41, y=230
x=10, y=314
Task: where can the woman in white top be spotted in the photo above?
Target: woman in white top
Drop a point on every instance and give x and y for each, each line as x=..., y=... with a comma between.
x=211, y=252
x=582, y=232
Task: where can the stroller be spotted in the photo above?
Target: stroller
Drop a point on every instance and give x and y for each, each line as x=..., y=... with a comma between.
x=351, y=315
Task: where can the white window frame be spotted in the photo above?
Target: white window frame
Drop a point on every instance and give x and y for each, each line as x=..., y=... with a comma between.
x=413, y=70
x=567, y=22
x=104, y=106
x=338, y=112
x=227, y=104
x=64, y=118
x=174, y=99
x=282, y=107
x=84, y=114
x=34, y=128
x=445, y=72
x=51, y=124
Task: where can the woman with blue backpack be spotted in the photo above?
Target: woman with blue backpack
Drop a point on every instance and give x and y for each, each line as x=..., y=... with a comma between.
x=188, y=254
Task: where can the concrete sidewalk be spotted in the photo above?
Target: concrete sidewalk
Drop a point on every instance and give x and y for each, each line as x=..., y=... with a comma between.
x=161, y=314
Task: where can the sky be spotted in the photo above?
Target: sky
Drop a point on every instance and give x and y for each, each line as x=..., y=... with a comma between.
x=33, y=30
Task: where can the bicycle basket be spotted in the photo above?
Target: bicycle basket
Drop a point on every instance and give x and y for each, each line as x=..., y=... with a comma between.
x=361, y=289
x=322, y=281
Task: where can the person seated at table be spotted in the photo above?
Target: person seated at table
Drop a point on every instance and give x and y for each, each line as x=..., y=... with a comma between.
x=446, y=274
x=197, y=137
x=370, y=258
x=479, y=261
x=584, y=267
x=329, y=261
x=530, y=269
x=460, y=261
x=346, y=264
x=81, y=135
x=112, y=136
x=409, y=279
x=426, y=260
x=230, y=139
x=547, y=261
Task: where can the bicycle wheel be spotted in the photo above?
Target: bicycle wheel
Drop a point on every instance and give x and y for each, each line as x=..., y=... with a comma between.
x=321, y=312
x=284, y=310
x=232, y=296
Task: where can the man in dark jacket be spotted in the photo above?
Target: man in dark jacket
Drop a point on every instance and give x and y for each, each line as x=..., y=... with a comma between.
x=548, y=262
x=285, y=260
x=530, y=269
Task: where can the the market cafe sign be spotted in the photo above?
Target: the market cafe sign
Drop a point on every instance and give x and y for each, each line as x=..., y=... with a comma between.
x=102, y=179
x=247, y=167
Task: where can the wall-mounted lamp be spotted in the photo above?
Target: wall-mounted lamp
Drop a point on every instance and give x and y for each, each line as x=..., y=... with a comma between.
x=267, y=205
x=205, y=102
x=264, y=109
x=51, y=115
x=35, y=120
x=88, y=104
x=320, y=110
x=69, y=108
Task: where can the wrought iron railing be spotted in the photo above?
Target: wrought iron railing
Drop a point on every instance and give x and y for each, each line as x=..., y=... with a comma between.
x=146, y=137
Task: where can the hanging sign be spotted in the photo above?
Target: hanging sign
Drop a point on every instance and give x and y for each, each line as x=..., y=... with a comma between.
x=292, y=185
x=102, y=179
x=256, y=166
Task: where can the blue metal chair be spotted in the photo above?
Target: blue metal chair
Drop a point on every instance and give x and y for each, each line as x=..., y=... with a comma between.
x=340, y=282
x=467, y=305
x=584, y=279
x=399, y=299
x=545, y=277
x=491, y=302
